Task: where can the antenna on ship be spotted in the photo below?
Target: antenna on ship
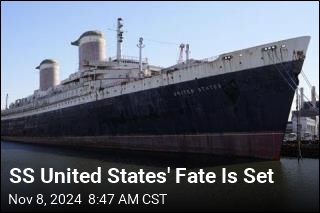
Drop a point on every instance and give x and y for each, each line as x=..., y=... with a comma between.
x=140, y=46
x=119, y=38
x=7, y=101
x=181, y=53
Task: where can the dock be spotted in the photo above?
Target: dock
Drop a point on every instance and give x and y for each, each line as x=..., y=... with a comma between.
x=310, y=150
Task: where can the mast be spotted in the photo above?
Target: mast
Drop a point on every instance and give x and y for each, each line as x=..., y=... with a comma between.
x=119, y=38
x=7, y=101
x=140, y=46
x=180, y=60
x=187, y=53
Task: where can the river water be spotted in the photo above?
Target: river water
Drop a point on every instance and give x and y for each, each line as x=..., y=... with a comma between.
x=295, y=187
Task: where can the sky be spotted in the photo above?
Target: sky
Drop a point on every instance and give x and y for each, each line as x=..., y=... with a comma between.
x=33, y=31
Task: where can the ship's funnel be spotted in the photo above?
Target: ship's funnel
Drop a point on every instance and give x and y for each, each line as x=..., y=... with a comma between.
x=49, y=74
x=91, y=48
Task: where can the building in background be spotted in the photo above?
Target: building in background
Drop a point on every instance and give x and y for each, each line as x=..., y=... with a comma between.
x=309, y=117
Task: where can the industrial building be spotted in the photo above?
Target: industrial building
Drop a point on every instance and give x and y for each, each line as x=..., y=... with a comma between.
x=309, y=117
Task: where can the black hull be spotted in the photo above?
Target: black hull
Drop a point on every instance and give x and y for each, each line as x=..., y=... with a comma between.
x=248, y=101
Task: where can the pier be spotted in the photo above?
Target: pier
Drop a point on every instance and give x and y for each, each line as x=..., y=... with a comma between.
x=309, y=150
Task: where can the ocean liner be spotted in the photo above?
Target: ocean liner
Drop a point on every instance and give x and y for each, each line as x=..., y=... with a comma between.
x=235, y=104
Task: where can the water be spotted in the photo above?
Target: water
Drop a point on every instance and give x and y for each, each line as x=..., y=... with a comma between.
x=295, y=187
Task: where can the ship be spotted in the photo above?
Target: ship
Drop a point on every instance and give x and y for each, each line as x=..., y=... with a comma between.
x=233, y=104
